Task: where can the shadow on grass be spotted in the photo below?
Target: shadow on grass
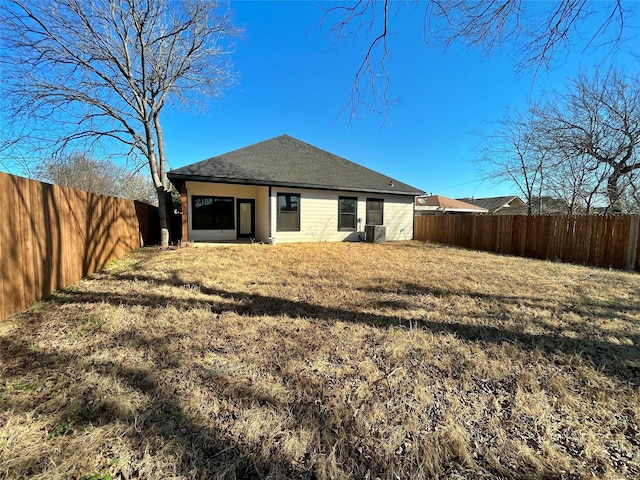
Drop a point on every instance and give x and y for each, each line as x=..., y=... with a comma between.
x=214, y=453
x=203, y=451
x=584, y=307
x=199, y=449
x=616, y=361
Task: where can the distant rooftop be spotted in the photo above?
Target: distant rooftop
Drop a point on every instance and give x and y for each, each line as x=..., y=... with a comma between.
x=498, y=204
x=445, y=204
x=286, y=161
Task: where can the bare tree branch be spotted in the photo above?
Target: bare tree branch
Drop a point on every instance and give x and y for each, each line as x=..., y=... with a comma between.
x=589, y=137
x=514, y=154
x=87, y=72
x=537, y=33
x=371, y=75
x=599, y=118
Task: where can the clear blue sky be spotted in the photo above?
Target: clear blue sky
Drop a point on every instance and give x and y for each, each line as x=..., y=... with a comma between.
x=292, y=78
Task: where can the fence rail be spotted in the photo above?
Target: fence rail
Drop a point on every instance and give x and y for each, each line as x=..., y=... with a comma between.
x=600, y=241
x=52, y=236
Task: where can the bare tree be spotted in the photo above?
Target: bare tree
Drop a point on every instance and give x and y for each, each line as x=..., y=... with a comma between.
x=536, y=32
x=82, y=172
x=139, y=187
x=577, y=180
x=101, y=71
x=632, y=194
x=514, y=154
x=597, y=123
x=581, y=146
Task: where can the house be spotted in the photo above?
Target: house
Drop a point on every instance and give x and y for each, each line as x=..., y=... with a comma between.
x=285, y=190
x=509, y=205
x=438, y=205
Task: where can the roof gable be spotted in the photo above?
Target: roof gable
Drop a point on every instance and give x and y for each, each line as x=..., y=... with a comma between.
x=286, y=161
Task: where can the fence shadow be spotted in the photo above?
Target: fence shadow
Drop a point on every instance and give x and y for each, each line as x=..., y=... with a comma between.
x=55, y=235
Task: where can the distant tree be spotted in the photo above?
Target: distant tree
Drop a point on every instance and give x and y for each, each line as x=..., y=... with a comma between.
x=514, y=154
x=576, y=180
x=596, y=125
x=581, y=146
x=104, y=177
x=537, y=32
x=86, y=71
x=137, y=186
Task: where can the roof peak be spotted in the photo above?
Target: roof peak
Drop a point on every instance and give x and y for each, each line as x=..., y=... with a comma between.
x=288, y=161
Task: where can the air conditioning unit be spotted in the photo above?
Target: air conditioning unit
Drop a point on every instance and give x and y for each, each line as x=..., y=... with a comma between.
x=375, y=233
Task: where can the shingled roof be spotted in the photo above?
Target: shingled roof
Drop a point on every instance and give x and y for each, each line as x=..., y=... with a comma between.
x=509, y=205
x=445, y=204
x=287, y=162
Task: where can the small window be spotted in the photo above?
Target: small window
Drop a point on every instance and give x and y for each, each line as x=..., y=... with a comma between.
x=288, y=216
x=375, y=211
x=212, y=213
x=347, y=213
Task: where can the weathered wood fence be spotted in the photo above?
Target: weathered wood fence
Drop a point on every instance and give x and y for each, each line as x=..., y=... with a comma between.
x=52, y=236
x=596, y=240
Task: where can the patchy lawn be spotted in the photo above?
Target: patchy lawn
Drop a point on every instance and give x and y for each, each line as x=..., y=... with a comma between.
x=392, y=361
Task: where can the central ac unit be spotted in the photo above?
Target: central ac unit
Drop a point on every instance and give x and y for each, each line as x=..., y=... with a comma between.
x=375, y=233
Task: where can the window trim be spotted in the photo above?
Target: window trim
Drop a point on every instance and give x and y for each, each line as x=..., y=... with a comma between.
x=355, y=214
x=381, y=200
x=214, y=227
x=278, y=212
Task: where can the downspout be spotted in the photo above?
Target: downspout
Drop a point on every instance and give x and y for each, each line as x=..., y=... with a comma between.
x=185, y=213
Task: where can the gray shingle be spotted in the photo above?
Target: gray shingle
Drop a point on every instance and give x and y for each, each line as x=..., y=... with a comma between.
x=286, y=161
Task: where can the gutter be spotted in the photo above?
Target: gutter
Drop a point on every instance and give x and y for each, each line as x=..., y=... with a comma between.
x=242, y=181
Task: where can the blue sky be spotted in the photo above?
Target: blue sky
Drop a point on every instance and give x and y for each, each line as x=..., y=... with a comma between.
x=292, y=78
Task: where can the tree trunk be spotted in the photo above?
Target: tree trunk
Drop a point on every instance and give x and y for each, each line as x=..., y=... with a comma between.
x=613, y=192
x=163, y=214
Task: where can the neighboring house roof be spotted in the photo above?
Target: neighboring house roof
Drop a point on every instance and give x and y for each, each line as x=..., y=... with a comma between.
x=509, y=204
x=288, y=162
x=438, y=203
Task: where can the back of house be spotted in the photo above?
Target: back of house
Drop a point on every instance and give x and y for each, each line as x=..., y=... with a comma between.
x=285, y=190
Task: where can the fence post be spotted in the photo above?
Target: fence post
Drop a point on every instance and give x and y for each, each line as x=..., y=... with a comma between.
x=632, y=242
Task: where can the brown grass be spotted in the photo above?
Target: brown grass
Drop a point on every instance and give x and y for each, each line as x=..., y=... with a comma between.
x=389, y=361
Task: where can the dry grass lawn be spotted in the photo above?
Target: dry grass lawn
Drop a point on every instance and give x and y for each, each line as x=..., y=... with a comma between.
x=391, y=361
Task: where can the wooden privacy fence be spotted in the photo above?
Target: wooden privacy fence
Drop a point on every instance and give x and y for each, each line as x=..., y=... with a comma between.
x=52, y=236
x=600, y=241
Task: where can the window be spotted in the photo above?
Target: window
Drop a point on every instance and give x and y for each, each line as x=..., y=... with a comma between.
x=347, y=213
x=375, y=211
x=288, y=216
x=212, y=213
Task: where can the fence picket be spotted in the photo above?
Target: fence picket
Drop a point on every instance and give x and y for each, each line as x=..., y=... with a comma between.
x=52, y=236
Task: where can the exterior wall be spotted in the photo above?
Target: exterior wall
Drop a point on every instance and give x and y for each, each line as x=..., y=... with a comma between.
x=259, y=194
x=262, y=214
x=319, y=216
x=398, y=216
